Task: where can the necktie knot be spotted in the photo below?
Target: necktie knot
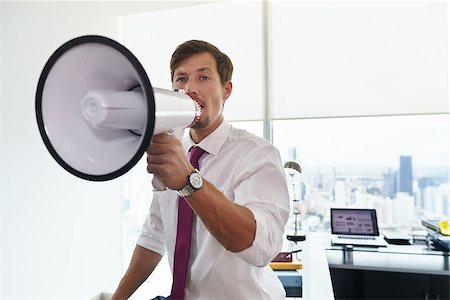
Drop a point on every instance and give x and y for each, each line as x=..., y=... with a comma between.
x=195, y=154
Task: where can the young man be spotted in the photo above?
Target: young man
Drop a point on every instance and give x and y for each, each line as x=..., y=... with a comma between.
x=239, y=196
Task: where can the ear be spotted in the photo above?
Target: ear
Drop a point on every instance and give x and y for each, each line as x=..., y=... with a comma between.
x=228, y=87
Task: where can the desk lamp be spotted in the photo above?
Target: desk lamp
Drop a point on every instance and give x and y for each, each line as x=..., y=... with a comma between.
x=293, y=169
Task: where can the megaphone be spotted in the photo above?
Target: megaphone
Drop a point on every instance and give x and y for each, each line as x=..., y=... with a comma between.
x=97, y=110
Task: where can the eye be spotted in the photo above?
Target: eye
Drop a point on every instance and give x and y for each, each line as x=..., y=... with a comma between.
x=204, y=78
x=180, y=79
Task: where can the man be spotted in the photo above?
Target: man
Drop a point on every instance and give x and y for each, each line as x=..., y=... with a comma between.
x=239, y=197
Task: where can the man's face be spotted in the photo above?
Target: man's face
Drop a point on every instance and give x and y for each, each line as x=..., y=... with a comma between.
x=198, y=76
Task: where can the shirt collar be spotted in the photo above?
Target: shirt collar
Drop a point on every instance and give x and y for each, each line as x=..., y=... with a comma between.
x=213, y=142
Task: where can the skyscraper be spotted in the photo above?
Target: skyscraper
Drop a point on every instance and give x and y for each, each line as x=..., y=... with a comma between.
x=405, y=180
x=390, y=184
x=423, y=183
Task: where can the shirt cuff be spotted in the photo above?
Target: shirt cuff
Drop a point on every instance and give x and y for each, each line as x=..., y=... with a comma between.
x=265, y=245
x=148, y=242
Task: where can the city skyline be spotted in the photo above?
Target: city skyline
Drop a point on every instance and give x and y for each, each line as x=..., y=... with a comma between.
x=400, y=198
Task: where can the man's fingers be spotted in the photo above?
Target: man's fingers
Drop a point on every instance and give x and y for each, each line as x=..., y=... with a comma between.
x=161, y=143
x=163, y=138
x=156, y=169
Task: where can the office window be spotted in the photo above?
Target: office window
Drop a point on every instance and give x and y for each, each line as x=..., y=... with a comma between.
x=255, y=127
x=358, y=58
x=398, y=165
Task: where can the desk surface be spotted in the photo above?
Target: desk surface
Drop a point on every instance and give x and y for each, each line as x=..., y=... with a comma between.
x=316, y=274
x=394, y=258
x=316, y=279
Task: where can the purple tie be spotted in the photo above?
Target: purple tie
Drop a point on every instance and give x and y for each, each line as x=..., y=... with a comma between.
x=183, y=242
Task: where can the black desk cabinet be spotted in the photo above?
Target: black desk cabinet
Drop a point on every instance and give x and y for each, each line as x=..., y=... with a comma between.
x=368, y=284
x=391, y=273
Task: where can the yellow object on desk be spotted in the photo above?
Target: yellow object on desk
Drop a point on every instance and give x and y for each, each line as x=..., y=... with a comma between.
x=444, y=228
x=295, y=264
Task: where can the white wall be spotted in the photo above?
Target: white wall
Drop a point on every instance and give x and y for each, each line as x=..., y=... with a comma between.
x=2, y=152
x=60, y=236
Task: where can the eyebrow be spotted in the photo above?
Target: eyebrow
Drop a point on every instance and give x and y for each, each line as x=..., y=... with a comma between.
x=202, y=69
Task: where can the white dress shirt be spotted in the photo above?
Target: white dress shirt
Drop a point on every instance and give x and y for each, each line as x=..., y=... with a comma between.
x=248, y=170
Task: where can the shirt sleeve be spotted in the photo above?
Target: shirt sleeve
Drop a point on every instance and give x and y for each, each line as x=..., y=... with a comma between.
x=261, y=187
x=152, y=234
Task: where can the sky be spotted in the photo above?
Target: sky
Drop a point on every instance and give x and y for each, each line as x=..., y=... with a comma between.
x=366, y=141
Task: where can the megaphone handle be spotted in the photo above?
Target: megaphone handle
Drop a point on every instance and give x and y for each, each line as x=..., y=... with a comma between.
x=158, y=185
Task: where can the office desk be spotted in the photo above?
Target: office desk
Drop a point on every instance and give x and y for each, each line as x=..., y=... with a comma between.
x=317, y=282
x=394, y=272
x=315, y=274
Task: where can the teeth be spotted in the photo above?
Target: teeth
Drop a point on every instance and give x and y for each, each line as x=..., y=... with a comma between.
x=198, y=114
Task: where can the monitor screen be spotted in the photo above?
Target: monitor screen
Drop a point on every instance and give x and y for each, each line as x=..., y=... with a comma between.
x=354, y=221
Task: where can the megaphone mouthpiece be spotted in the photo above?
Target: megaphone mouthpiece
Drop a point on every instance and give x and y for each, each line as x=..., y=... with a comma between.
x=174, y=110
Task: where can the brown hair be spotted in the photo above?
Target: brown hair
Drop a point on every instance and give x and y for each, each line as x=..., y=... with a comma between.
x=193, y=47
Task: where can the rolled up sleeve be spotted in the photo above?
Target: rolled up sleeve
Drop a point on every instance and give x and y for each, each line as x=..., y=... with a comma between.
x=152, y=234
x=261, y=187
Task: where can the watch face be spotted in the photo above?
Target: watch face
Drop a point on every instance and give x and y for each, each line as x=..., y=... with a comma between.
x=196, y=180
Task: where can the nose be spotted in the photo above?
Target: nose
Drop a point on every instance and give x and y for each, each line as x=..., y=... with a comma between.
x=190, y=88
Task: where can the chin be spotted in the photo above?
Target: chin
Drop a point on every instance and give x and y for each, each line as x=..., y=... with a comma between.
x=201, y=124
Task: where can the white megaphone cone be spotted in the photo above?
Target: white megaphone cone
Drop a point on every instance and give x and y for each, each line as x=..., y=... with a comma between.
x=97, y=111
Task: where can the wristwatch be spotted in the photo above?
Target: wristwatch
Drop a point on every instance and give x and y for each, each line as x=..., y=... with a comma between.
x=195, y=182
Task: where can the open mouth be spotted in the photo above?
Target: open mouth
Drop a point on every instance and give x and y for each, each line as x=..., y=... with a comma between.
x=200, y=104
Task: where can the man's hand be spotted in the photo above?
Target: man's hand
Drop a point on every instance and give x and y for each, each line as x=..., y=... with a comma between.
x=166, y=159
